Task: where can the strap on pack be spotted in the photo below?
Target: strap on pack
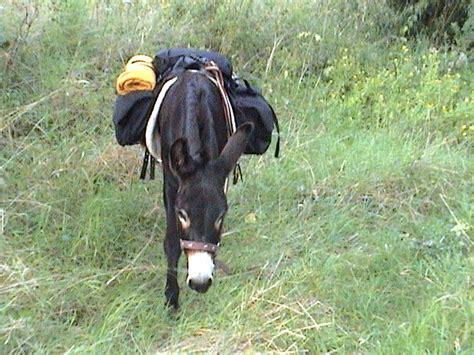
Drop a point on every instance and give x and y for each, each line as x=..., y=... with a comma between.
x=237, y=174
x=148, y=158
x=277, y=126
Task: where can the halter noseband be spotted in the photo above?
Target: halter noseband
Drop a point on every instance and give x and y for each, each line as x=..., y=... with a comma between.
x=198, y=246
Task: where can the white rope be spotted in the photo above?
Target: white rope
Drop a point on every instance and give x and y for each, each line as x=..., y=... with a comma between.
x=151, y=134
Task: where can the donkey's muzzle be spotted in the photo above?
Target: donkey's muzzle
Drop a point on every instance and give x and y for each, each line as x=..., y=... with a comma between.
x=200, y=286
x=200, y=270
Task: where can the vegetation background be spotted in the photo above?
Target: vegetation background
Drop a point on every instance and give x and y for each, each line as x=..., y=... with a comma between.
x=358, y=239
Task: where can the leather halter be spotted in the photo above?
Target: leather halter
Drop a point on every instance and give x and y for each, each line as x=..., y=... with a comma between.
x=198, y=246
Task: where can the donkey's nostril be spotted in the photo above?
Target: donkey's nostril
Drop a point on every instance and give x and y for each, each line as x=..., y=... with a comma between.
x=200, y=286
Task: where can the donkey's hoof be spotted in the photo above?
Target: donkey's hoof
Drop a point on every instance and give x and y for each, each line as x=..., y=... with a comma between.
x=173, y=312
x=172, y=297
x=172, y=305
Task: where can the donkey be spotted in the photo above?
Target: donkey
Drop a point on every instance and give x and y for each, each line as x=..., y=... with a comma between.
x=197, y=159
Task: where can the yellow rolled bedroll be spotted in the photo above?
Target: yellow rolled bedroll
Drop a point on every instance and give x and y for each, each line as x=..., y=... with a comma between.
x=138, y=74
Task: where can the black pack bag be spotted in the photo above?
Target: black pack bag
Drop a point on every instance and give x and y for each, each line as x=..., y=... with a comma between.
x=250, y=106
x=131, y=113
x=168, y=59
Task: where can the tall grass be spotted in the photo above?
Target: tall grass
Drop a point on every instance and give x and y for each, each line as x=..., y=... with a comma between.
x=358, y=239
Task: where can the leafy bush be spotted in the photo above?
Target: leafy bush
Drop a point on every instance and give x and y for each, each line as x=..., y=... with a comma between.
x=443, y=21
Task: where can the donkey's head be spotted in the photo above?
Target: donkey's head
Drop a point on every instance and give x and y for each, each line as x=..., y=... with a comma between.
x=201, y=203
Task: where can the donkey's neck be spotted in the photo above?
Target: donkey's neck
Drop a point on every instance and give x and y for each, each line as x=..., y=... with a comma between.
x=200, y=127
x=193, y=110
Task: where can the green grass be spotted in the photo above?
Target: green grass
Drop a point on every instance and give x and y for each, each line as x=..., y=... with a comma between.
x=356, y=240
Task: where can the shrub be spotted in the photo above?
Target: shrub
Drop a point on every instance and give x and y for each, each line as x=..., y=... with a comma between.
x=443, y=21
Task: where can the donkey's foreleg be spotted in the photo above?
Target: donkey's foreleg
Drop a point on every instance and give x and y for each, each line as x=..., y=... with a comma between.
x=172, y=248
x=173, y=252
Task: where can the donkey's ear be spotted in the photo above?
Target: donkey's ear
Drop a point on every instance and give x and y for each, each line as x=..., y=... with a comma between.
x=181, y=163
x=235, y=147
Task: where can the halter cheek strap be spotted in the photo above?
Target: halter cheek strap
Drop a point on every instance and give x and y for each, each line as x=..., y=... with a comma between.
x=198, y=246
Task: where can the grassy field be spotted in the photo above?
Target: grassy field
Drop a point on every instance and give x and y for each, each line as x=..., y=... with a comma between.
x=356, y=240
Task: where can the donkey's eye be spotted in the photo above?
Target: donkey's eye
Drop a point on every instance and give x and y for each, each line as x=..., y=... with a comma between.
x=184, y=218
